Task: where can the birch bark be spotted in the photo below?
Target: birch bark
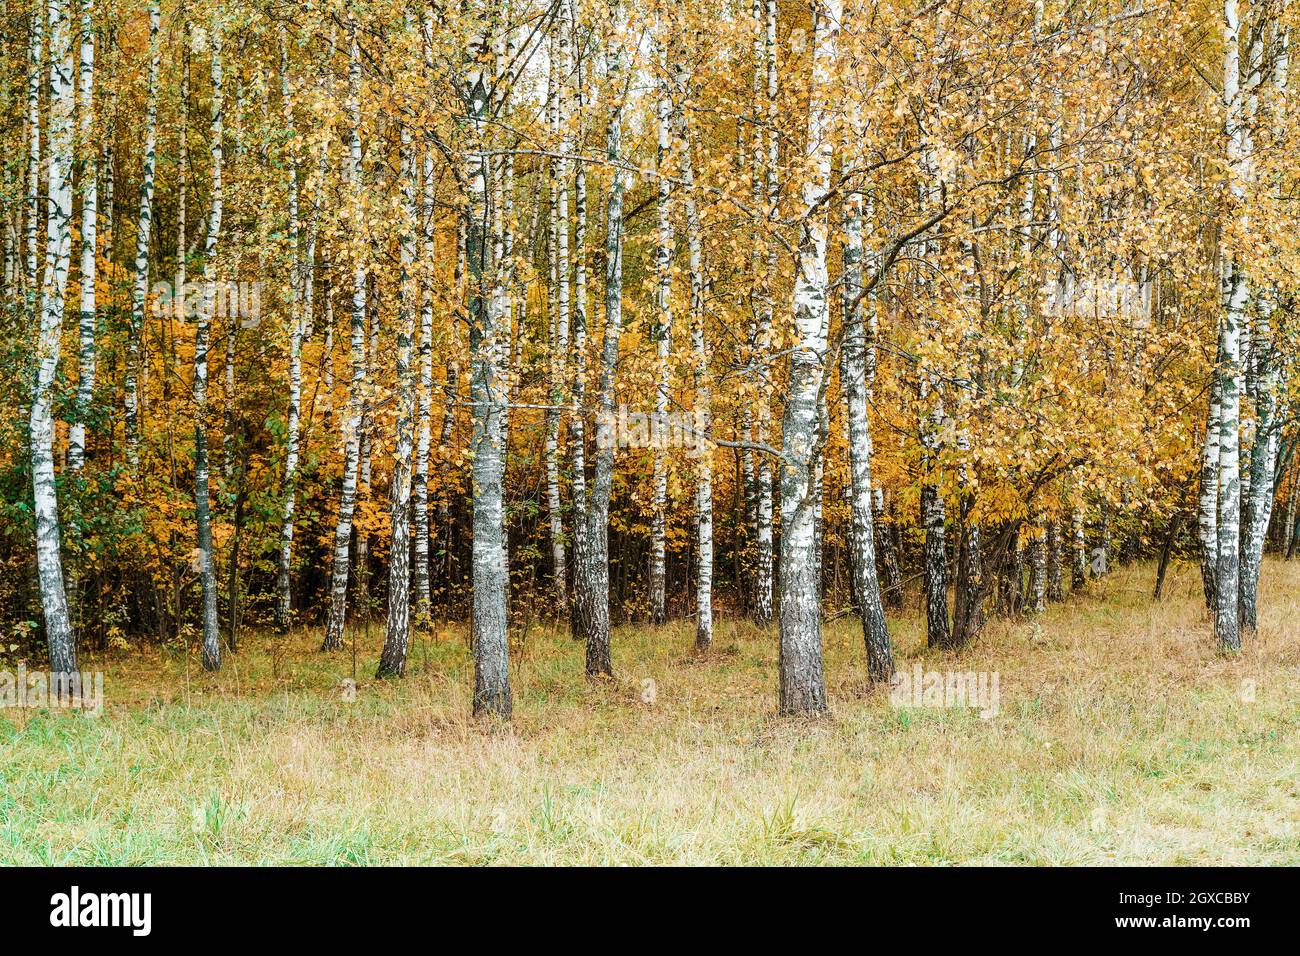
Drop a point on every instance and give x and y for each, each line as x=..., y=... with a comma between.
x=580, y=323
x=392, y=662
x=338, y=605
x=763, y=537
x=802, y=681
x=202, y=505
x=560, y=346
x=140, y=283
x=1263, y=465
x=853, y=376
x=297, y=321
x=592, y=579
x=89, y=217
x=424, y=389
x=703, y=423
x=1208, y=507
x=662, y=336
x=1227, y=621
x=58, y=257
x=35, y=67
x=491, y=650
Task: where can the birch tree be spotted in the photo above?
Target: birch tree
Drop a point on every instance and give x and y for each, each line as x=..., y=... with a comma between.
x=1262, y=486
x=89, y=214
x=592, y=577
x=491, y=648
x=763, y=538
x=297, y=323
x=144, y=226
x=703, y=395
x=202, y=333
x=338, y=606
x=58, y=255
x=35, y=67
x=1227, y=625
x=662, y=332
x=392, y=663
x=802, y=682
x=1208, y=510
x=424, y=388
x=938, y=629
x=853, y=377
x=581, y=332
x=562, y=64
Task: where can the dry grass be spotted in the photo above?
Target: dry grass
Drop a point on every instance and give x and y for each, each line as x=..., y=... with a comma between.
x=1122, y=737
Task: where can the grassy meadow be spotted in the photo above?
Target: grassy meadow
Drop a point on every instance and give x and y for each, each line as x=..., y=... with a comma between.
x=1121, y=737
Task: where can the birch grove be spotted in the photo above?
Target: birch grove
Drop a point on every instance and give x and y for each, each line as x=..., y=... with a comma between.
x=570, y=317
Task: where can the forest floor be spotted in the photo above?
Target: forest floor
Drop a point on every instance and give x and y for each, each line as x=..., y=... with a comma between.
x=1121, y=737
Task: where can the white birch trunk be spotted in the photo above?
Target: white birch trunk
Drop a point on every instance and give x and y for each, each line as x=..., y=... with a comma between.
x=1263, y=465
x=1037, y=571
x=933, y=519
x=802, y=681
x=392, y=663
x=9, y=234
x=202, y=331
x=854, y=378
x=58, y=257
x=1227, y=625
x=501, y=244
x=1269, y=377
x=1055, y=585
x=228, y=394
x=424, y=389
x=503, y=290
x=1078, y=551
x=297, y=322
x=424, y=395
x=663, y=344
x=592, y=579
x=581, y=332
x=140, y=280
x=89, y=214
x=1208, y=509
x=560, y=346
x=34, y=79
x=364, y=468
x=490, y=576
x=703, y=423
x=338, y=606
x=763, y=539
x=938, y=627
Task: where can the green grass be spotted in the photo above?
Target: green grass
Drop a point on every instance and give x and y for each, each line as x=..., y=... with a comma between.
x=1122, y=737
